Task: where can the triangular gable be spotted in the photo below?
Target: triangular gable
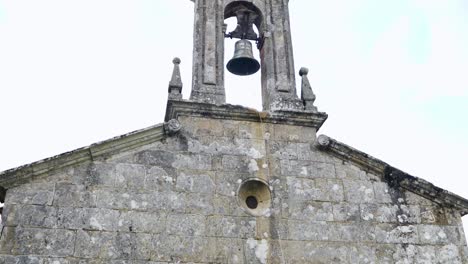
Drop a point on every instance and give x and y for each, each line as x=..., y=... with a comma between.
x=392, y=175
x=98, y=151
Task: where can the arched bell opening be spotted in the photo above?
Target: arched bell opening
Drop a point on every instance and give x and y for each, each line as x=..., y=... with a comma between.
x=242, y=30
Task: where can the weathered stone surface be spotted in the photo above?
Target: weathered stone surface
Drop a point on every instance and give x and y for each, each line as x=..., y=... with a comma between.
x=159, y=179
x=48, y=242
x=188, y=225
x=307, y=169
x=70, y=195
x=199, y=183
x=169, y=248
x=130, y=176
x=176, y=201
x=358, y=191
x=313, y=211
x=32, y=216
x=386, y=233
x=146, y=222
x=235, y=227
x=37, y=194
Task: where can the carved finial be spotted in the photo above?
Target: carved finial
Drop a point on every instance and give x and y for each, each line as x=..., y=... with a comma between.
x=175, y=85
x=307, y=95
x=323, y=141
x=172, y=127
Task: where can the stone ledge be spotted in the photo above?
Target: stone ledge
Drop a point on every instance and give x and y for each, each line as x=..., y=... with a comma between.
x=392, y=175
x=176, y=108
x=101, y=150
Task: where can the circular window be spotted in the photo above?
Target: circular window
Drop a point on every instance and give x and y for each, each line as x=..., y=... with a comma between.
x=254, y=197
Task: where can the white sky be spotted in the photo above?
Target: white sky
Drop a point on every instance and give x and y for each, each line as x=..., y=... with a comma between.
x=390, y=74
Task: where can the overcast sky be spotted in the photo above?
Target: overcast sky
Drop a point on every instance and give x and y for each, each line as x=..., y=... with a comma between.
x=392, y=75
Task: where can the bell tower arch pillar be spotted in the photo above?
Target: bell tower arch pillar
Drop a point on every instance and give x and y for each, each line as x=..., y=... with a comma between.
x=274, y=42
x=208, y=52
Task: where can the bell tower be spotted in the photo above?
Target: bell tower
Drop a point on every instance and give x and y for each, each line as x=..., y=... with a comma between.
x=273, y=40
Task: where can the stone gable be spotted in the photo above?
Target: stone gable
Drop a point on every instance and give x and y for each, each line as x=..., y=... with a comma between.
x=176, y=200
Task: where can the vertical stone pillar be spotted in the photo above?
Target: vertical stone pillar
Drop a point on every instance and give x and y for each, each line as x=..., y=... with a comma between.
x=277, y=62
x=208, y=52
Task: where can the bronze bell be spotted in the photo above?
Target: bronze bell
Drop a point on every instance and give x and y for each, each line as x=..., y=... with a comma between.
x=243, y=62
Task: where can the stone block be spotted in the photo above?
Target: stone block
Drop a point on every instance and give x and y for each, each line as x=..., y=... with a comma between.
x=146, y=222
x=464, y=251
x=36, y=194
x=240, y=164
x=309, y=231
x=301, y=189
x=315, y=252
x=48, y=242
x=203, y=126
x=350, y=232
x=143, y=247
x=71, y=218
x=257, y=251
x=379, y=213
x=453, y=216
x=100, y=219
x=415, y=254
x=168, y=201
x=449, y=254
x=97, y=173
x=363, y=255
x=107, y=245
x=200, y=203
x=7, y=239
x=225, y=250
x=346, y=170
x=294, y=133
x=283, y=150
x=94, y=244
x=70, y=195
x=31, y=216
x=254, y=130
x=185, y=225
x=227, y=182
x=195, y=182
x=115, y=199
x=22, y=260
x=254, y=148
x=384, y=253
x=344, y=212
x=311, y=211
x=387, y=233
x=160, y=179
x=169, y=248
x=432, y=215
x=159, y=158
x=192, y=162
x=231, y=227
x=409, y=214
x=433, y=234
x=329, y=190
x=227, y=205
x=358, y=191
x=414, y=199
x=130, y=176
x=307, y=169
x=382, y=192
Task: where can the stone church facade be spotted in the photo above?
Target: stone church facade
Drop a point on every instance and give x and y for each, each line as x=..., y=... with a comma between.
x=217, y=183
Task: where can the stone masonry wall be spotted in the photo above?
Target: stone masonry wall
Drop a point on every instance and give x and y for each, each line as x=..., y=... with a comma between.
x=175, y=202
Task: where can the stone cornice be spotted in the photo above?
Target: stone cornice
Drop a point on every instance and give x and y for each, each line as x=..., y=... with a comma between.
x=101, y=150
x=392, y=175
x=345, y=152
x=176, y=108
